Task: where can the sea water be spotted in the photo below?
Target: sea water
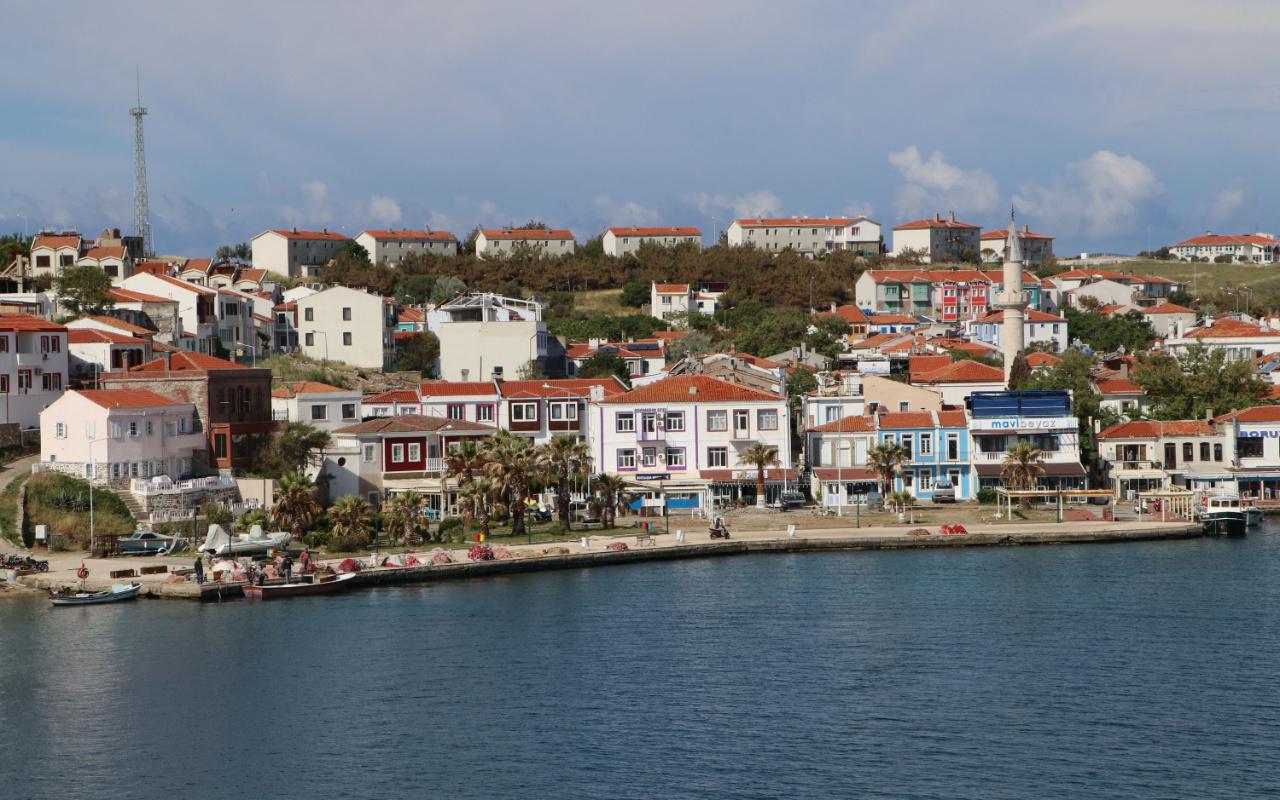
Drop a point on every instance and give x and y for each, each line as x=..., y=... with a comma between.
x=1087, y=671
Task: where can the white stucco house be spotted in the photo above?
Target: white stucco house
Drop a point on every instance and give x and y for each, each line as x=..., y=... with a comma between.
x=348, y=325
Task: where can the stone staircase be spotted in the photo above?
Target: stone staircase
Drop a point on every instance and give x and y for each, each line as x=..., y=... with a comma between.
x=135, y=507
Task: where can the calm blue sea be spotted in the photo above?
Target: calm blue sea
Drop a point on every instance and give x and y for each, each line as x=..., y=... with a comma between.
x=1090, y=671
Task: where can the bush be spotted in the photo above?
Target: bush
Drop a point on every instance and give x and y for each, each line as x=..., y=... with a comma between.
x=449, y=528
x=987, y=497
x=634, y=295
x=555, y=530
x=348, y=543
x=62, y=502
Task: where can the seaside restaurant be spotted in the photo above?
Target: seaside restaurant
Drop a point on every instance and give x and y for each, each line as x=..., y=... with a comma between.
x=1043, y=419
x=1254, y=433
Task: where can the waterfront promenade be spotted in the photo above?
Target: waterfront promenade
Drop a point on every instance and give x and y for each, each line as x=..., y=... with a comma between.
x=697, y=544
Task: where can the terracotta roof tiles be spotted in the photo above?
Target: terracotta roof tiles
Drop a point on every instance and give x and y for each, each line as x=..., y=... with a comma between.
x=693, y=389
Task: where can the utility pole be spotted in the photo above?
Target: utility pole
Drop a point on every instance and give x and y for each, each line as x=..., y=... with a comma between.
x=141, y=209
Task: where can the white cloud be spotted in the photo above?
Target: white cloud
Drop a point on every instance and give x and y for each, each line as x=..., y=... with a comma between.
x=762, y=203
x=936, y=186
x=858, y=208
x=1103, y=195
x=315, y=192
x=1224, y=207
x=384, y=210
x=629, y=213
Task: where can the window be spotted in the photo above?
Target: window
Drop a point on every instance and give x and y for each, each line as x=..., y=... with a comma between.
x=346, y=315
x=953, y=447
x=1217, y=452
x=397, y=453
x=717, y=420
x=311, y=340
x=348, y=410
x=133, y=427
x=626, y=459
x=346, y=338
x=42, y=261
x=904, y=406
x=625, y=422
x=741, y=420
x=1204, y=451
x=524, y=412
x=182, y=425
x=717, y=456
x=832, y=413
x=320, y=411
x=649, y=456
x=767, y=419
x=415, y=452
x=59, y=430
x=1250, y=447
x=455, y=411
x=4, y=344
x=370, y=453
x=484, y=413
x=51, y=381
x=151, y=427
x=926, y=444
x=908, y=444
x=675, y=457
x=1055, y=327
x=309, y=314
x=219, y=445
x=926, y=480
x=1188, y=452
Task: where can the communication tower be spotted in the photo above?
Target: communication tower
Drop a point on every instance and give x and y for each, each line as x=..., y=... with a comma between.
x=141, y=209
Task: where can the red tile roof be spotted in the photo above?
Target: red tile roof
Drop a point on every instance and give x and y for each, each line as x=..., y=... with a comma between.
x=190, y=287
x=561, y=387
x=1030, y=315
x=200, y=265
x=1118, y=386
x=55, y=242
x=782, y=222
x=529, y=234
x=1255, y=414
x=1168, y=308
x=934, y=223
x=850, y=314
x=120, y=324
x=906, y=419
x=413, y=423
x=104, y=252
x=1081, y=274
x=921, y=364
x=976, y=348
x=392, y=396
x=1146, y=429
x=965, y=371
x=671, y=288
x=187, y=362
x=635, y=231
x=1042, y=360
x=305, y=387
x=952, y=419
x=1225, y=239
x=296, y=234
x=126, y=398
x=1157, y=279
x=694, y=389
x=443, y=236
x=849, y=424
x=130, y=296
x=26, y=322
x=412, y=315
x=153, y=268
x=251, y=275
x=1004, y=235
x=1231, y=328
x=96, y=336
x=456, y=388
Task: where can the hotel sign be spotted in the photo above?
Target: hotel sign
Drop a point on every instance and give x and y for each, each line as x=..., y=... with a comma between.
x=1024, y=424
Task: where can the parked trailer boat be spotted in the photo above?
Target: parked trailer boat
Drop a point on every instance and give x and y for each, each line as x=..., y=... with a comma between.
x=322, y=585
x=115, y=594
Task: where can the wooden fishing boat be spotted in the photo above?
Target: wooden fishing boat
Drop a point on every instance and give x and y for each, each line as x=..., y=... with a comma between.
x=323, y=585
x=115, y=594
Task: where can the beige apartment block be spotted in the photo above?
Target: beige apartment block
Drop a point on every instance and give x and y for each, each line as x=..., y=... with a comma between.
x=349, y=326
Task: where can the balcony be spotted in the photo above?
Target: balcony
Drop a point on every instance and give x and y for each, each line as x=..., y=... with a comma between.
x=184, y=441
x=32, y=359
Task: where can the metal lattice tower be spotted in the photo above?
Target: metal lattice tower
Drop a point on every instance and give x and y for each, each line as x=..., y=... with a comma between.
x=141, y=208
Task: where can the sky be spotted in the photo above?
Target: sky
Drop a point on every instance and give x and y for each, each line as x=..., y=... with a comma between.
x=1109, y=124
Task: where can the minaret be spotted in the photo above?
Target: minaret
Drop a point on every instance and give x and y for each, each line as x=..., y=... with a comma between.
x=1011, y=300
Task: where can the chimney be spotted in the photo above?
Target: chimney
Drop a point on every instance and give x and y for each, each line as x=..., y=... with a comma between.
x=952, y=216
x=693, y=390
x=1208, y=415
x=168, y=361
x=1208, y=233
x=426, y=229
x=293, y=230
x=1025, y=229
x=732, y=348
x=937, y=217
x=325, y=231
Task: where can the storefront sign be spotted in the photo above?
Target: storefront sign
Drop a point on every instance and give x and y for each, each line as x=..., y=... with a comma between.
x=1274, y=434
x=1024, y=424
x=873, y=367
x=659, y=476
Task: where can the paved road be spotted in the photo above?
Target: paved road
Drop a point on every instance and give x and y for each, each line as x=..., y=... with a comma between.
x=7, y=473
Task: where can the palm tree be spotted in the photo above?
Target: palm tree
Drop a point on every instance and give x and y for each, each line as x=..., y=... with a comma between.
x=887, y=460
x=475, y=500
x=612, y=491
x=1023, y=465
x=351, y=518
x=462, y=460
x=510, y=463
x=295, y=503
x=405, y=508
x=564, y=458
x=760, y=456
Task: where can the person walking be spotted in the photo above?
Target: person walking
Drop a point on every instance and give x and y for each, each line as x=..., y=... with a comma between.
x=304, y=562
x=199, y=570
x=287, y=566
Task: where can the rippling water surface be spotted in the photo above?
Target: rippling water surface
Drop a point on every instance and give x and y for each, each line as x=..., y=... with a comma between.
x=1100, y=671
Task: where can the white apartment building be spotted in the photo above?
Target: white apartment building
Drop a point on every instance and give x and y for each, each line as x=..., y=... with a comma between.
x=391, y=246
x=485, y=336
x=669, y=299
x=317, y=404
x=115, y=261
x=937, y=237
x=198, y=308
x=93, y=351
x=501, y=243
x=1037, y=327
x=350, y=326
x=51, y=251
x=806, y=235
x=296, y=253
x=1258, y=248
x=1242, y=341
x=1035, y=246
x=34, y=367
x=685, y=435
x=620, y=241
x=113, y=436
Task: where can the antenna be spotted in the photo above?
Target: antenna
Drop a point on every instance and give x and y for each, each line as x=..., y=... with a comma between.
x=141, y=208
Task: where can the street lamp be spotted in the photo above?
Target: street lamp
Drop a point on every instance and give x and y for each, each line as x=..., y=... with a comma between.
x=1233, y=294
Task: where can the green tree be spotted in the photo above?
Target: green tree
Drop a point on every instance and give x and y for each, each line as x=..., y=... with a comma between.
x=634, y=295
x=1186, y=385
x=12, y=246
x=1108, y=334
x=243, y=251
x=418, y=353
x=353, y=249
x=1023, y=465
x=475, y=500
x=567, y=459
x=602, y=365
x=611, y=491
x=293, y=448
x=511, y=462
x=887, y=460
x=1020, y=371
x=405, y=508
x=761, y=456
x=830, y=335
x=415, y=291
x=447, y=288
x=463, y=460
x=799, y=383
x=295, y=503
x=352, y=518
x=83, y=290
x=695, y=344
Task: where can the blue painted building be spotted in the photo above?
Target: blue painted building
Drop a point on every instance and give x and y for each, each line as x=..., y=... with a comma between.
x=938, y=442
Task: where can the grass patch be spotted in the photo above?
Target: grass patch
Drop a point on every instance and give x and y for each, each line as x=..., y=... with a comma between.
x=601, y=301
x=62, y=502
x=9, y=509
x=294, y=368
x=1263, y=279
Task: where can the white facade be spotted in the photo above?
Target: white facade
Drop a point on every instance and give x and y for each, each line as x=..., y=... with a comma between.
x=501, y=243
x=485, y=336
x=391, y=246
x=1258, y=248
x=317, y=404
x=806, y=235
x=296, y=253
x=34, y=367
x=349, y=326
x=1037, y=327
x=937, y=237
x=198, y=307
x=621, y=241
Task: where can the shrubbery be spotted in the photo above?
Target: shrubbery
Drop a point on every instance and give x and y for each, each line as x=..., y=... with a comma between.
x=987, y=496
x=62, y=503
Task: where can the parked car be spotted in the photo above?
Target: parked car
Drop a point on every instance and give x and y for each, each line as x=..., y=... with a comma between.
x=944, y=491
x=583, y=512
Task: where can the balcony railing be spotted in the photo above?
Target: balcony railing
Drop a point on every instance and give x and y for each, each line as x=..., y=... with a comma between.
x=164, y=485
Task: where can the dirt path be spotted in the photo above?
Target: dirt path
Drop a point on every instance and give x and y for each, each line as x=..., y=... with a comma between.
x=7, y=473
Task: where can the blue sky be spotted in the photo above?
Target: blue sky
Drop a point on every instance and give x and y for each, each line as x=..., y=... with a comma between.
x=1105, y=122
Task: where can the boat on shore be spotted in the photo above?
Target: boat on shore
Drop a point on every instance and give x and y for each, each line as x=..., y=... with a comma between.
x=254, y=543
x=322, y=585
x=146, y=542
x=115, y=594
x=1224, y=514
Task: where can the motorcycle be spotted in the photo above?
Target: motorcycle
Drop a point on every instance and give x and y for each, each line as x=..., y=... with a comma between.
x=719, y=532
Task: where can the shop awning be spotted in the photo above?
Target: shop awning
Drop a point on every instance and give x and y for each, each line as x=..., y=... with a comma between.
x=847, y=474
x=1051, y=470
x=745, y=475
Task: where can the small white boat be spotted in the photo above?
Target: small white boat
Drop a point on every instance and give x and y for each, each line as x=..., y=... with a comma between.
x=1252, y=516
x=253, y=543
x=115, y=594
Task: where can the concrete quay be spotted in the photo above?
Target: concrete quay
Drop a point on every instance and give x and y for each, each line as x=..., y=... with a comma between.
x=666, y=547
